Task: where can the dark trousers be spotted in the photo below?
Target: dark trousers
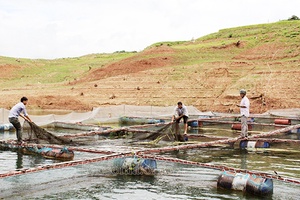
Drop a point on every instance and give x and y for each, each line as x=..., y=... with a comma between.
x=16, y=123
x=185, y=118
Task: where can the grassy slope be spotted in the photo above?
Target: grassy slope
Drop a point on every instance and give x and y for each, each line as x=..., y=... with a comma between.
x=55, y=71
x=264, y=64
x=212, y=67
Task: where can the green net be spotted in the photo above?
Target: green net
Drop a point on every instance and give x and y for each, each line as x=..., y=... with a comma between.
x=36, y=134
x=166, y=132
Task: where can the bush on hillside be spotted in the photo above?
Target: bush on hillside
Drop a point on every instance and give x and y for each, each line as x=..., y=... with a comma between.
x=294, y=17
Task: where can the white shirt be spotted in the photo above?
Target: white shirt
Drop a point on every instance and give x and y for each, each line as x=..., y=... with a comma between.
x=17, y=109
x=245, y=102
x=181, y=111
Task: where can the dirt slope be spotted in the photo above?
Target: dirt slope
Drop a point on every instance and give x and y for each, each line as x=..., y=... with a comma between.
x=206, y=73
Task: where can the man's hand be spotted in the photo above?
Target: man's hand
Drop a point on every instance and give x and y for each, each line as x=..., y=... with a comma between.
x=26, y=118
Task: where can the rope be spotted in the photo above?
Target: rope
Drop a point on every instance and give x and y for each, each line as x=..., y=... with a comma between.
x=214, y=143
x=237, y=122
x=64, y=164
x=97, y=151
x=144, y=154
x=175, y=160
x=220, y=167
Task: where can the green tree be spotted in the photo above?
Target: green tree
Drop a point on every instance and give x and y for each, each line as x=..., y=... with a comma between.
x=294, y=17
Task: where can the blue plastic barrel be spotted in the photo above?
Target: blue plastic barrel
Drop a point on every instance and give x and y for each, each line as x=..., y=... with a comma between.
x=193, y=124
x=134, y=166
x=254, y=144
x=297, y=130
x=249, y=183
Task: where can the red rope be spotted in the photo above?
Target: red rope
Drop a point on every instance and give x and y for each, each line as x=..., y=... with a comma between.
x=220, y=167
x=64, y=164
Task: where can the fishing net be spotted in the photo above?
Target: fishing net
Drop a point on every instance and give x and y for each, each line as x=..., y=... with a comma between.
x=166, y=132
x=36, y=134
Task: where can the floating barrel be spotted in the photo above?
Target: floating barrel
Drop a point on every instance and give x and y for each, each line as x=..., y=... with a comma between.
x=193, y=123
x=245, y=182
x=254, y=144
x=185, y=137
x=155, y=121
x=134, y=166
x=251, y=120
x=200, y=123
x=139, y=120
x=6, y=127
x=297, y=130
x=239, y=127
x=52, y=153
x=282, y=121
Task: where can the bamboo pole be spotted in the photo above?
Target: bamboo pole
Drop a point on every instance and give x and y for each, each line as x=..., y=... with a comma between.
x=236, y=122
x=223, y=129
x=259, y=116
x=213, y=143
x=270, y=140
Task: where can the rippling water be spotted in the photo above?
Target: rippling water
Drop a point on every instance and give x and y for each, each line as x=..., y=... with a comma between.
x=174, y=181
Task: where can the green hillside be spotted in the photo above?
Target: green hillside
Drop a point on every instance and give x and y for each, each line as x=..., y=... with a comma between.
x=209, y=71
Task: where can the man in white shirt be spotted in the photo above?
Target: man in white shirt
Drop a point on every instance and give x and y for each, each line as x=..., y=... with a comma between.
x=244, y=109
x=181, y=112
x=14, y=113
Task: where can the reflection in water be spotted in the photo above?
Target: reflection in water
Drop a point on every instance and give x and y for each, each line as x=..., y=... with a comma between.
x=19, y=162
x=125, y=179
x=177, y=131
x=244, y=159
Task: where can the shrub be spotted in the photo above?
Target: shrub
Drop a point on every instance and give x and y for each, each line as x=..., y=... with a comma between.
x=293, y=17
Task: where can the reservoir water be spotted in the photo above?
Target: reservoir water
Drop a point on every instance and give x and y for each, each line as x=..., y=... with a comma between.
x=173, y=181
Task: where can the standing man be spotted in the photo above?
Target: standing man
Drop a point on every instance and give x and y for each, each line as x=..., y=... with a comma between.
x=181, y=112
x=244, y=109
x=14, y=113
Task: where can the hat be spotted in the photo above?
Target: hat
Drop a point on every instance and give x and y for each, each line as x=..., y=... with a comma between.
x=242, y=91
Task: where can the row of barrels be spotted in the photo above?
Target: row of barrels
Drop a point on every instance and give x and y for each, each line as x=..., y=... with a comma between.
x=238, y=126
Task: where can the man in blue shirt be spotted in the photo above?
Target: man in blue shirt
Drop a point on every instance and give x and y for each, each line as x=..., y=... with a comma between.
x=14, y=113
